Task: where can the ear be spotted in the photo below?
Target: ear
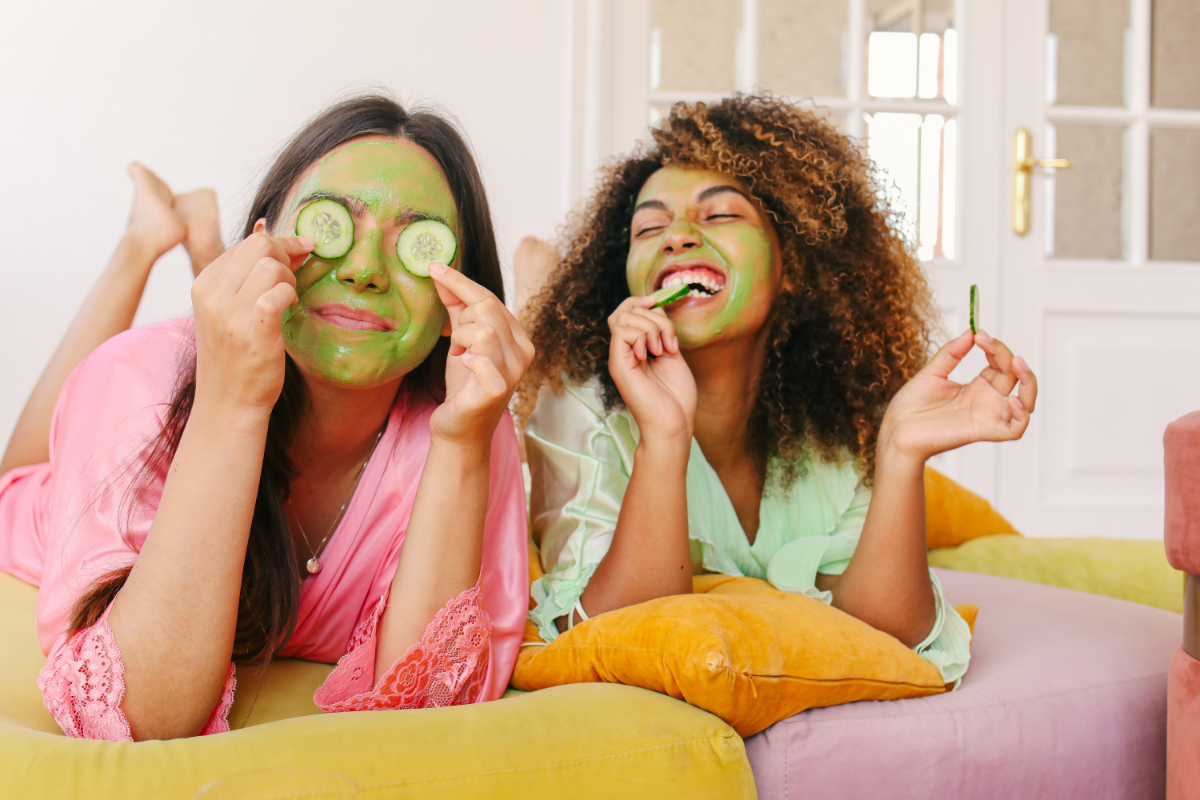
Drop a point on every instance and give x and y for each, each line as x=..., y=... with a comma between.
x=261, y=225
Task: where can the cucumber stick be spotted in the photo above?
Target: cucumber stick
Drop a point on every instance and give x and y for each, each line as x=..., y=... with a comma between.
x=426, y=242
x=669, y=294
x=974, y=308
x=329, y=224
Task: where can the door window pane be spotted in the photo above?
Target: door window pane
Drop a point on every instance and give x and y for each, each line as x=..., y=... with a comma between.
x=912, y=49
x=802, y=46
x=1086, y=216
x=1174, y=195
x=1086, y=51
x=694, y=45
x=1175, y=64
x=915, y=156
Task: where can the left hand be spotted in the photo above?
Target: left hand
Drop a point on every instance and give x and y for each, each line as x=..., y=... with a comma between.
x=489, y=353
x=932, y=414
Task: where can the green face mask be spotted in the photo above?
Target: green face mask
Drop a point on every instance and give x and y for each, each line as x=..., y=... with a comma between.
x=363, y=320
x=704, y=229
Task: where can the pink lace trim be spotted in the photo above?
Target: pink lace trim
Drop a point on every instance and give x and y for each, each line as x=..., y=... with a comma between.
x=84, y=683
x=446, y=668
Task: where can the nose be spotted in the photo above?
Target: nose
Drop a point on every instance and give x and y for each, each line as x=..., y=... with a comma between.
x=681, y=237
x=363, y=269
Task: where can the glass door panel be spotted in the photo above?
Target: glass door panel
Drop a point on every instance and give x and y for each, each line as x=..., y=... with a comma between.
x=1086, y=211
x=912, y=49
x=802, y=47
x=1174, y=194
x=1175, y=54
x=1086, y=49
x=694, y=45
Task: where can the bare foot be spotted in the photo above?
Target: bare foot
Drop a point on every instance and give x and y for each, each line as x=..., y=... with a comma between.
x=532, y=262
x=198, y=210
x=153, y=222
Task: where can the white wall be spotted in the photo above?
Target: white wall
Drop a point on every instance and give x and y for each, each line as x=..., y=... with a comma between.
x=204, y=93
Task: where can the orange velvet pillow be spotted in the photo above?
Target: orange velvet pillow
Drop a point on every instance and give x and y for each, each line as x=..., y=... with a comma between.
x=954, y=515
x=738, y=648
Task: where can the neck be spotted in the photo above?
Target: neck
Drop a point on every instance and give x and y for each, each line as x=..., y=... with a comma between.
x=340, y=426
x=727, y=375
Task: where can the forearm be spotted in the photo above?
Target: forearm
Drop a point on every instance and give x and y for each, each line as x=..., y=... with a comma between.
x=442, y=548
x=107, y=310
x=650, y=554
x=887, y=582
x=175, y=618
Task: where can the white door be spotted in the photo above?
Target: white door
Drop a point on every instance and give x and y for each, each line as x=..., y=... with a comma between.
x=1103, y=291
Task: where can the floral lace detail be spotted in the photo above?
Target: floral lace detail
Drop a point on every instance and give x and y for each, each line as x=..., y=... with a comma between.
x=446, y=668
x=84, y=683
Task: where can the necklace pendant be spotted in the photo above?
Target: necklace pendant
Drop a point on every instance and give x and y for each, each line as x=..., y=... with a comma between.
x=314, y=565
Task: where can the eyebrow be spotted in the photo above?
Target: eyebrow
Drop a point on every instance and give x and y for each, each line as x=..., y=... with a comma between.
x=655, y=204
x=358, y=208
x=713, y=191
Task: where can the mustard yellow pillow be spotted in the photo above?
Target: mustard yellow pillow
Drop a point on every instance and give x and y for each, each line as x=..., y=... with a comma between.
x=954, y=515
x=738, y=648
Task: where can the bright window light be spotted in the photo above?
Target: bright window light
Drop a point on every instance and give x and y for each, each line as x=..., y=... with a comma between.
x=892, y=64
x=929, y=52
x=949, y=185
x=950, y=66
x=893, y=143
x=931, y=178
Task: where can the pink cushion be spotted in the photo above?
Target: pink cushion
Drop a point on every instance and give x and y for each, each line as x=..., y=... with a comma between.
x=1181, y=455
x=1183, y=728
x=1066, y=697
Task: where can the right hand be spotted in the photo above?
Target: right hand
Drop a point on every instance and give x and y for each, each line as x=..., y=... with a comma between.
x=238, y=303
x=645, y=363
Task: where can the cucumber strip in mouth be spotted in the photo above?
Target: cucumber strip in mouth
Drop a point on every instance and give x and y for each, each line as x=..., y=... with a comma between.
x=669, y=294
x=974, y=308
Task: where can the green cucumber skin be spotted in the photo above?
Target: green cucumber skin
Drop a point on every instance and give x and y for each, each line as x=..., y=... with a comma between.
x=669, y=294
x=974, y=308
x=439, y=229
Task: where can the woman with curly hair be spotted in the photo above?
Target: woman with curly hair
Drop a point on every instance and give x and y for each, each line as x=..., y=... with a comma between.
x=775, y=421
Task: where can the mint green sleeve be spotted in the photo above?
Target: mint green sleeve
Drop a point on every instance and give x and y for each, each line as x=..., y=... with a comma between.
x=795, y=567
x=580, y=459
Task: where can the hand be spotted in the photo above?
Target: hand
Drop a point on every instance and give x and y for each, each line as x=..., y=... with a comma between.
x=238, y=302
x=199, y=213
x=932, y=414
x=659, y=391
x=489, y=353
x=153, y=222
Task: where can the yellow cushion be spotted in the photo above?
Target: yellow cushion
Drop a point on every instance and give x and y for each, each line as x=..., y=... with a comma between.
x=593, y=741
x=739, y=648
x=1128, y=569
x=954, y=515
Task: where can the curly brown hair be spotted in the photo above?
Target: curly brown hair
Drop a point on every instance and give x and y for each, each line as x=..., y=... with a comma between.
x=854, y=315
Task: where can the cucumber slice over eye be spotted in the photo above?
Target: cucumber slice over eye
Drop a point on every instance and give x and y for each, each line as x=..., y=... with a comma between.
x=669, y=294
x=974, y=308
x=426, y=242
x=329, y=224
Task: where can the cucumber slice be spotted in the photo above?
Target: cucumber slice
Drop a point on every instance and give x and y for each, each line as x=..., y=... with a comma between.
x=329, y=224
x=426, y=242
x=974, y=308
x=669, y=294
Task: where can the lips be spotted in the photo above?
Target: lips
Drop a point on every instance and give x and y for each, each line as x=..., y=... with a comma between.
x=352, y=319
x=704, y=278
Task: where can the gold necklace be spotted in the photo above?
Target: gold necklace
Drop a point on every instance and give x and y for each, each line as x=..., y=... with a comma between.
x=314, y=564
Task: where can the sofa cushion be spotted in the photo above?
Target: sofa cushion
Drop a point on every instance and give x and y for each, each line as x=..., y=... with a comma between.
x=954, y=514
x=1066, y=697
x=597, y=740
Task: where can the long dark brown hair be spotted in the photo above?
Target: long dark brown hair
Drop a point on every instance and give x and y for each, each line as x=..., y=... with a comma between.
x=853, y=318
x=270, y=590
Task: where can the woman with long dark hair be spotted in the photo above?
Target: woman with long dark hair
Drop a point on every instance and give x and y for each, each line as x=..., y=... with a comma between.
x=319, y=464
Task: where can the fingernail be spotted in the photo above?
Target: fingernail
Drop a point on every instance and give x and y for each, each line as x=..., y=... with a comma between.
x=436, y=269
x=1019, y=403
x=983, y=336
x=1020, y=364
x=307, y=241
x=467, y=356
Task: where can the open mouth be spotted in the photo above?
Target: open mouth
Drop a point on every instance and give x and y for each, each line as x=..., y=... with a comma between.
x=701, y=281
x=353, y=319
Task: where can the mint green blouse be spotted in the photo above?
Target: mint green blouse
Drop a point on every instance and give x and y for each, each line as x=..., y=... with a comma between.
x=580, y=459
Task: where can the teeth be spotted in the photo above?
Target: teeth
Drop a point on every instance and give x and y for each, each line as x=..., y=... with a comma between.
x=703, y=282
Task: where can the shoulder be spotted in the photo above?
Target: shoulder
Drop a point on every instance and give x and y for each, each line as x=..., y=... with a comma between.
x=149, y=354
x=575, y=418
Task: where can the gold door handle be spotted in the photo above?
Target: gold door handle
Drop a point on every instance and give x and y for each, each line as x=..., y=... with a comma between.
x=1023, y=164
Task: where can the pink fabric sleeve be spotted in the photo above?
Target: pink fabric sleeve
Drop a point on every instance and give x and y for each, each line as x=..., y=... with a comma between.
x=447, y=667
x=83, y=685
